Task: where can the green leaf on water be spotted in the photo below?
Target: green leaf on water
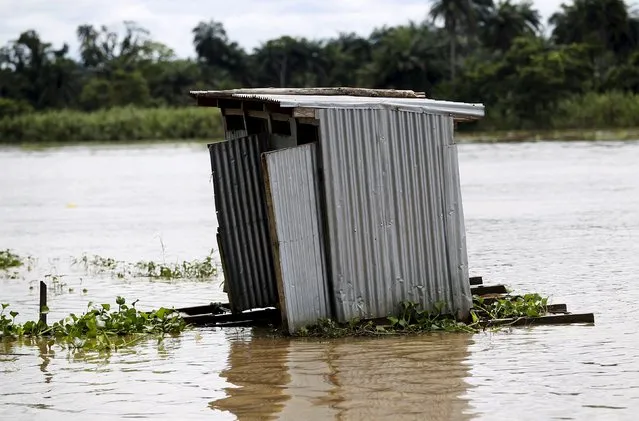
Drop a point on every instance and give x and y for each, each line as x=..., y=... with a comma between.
x=474, y=316
x=44, y=310
x=107, y=307
x=13, y=314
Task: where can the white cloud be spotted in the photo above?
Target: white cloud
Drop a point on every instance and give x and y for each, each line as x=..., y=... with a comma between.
x=248, y=22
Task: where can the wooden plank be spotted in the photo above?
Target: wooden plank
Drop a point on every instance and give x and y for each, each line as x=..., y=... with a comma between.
x=267, y=316
x=308, y=120
x=265, y=115
x=557, y=308
x=257, y=114
x=365, y=92
x=232, y=111
x=544, y=320
x=491, y=298
x=476, y=280
x=491, y=289
x=304, y=112
x=213, y=308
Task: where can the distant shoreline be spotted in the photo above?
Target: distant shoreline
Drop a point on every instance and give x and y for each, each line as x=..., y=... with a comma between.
x=566, y=135
x=461, y=137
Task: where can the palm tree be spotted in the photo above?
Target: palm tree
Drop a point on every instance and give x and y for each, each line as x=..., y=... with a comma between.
x=458, y=16
x=508, y=21
x=210, y=40
x=406, y=57
x=214, y=49
x=603, y=22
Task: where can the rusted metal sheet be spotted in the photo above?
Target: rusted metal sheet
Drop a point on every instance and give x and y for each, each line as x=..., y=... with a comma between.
x=393, y=211
x=243, y=225
x=296, y=229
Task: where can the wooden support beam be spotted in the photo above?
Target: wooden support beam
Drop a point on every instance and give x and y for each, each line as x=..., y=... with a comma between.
x=232, y=111
x=257, y=317
x=280, y=116
x=43, y=303
x=213, y=308
x=492, y=289
x=206, y=102
x=308, y=120
x=544, y=320
x=304, y=112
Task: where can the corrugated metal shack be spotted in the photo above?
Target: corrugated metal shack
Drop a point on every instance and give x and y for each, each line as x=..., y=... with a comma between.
x=339, y=202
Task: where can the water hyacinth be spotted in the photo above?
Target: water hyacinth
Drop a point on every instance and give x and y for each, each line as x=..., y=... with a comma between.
x=99, y=328
x=8, y=259
x=411, y=319
x=204, y=269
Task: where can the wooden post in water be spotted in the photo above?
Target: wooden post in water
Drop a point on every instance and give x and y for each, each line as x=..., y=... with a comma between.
x=43, y=303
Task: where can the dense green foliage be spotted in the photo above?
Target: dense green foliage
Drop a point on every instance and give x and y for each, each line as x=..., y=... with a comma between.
x=9, y=259
x=412, y=319
x=122, y=123
x=99, y=328
x=584, y=72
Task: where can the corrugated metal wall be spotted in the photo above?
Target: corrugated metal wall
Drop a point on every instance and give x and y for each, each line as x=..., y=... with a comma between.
x=296, y=224
x=393, y=212
x=235, y=134
x=243, y=225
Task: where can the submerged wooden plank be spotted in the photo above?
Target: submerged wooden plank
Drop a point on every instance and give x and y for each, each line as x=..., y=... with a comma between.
x=256, y=317
x=213, y=308
x=491, y=289
x=544, y=320
x=476, y=280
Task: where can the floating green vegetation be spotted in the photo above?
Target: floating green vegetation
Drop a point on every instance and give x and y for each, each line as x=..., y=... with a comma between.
x=196, y=269
x=9, y=260
x=99, y=329
x=411, y=319
x=528, y=305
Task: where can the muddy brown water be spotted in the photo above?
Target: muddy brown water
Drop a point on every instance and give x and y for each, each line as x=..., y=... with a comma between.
x=561, y=219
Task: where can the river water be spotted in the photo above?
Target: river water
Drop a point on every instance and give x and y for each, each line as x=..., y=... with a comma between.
x=561, y=219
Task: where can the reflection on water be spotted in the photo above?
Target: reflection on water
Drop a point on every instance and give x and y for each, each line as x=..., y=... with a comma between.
x=256, y=369
x=561, y=219
x=415, y=377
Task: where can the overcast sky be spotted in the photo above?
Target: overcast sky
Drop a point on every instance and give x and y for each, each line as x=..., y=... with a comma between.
x=249, y=22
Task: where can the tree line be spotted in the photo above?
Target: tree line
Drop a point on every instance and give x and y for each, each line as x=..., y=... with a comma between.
x=499, y=53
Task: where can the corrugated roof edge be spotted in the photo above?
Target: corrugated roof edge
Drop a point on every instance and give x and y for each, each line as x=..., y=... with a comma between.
x=459, y=110
x=325, y=91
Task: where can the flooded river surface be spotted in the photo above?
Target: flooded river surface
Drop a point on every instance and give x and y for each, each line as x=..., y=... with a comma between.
x=561, y=219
